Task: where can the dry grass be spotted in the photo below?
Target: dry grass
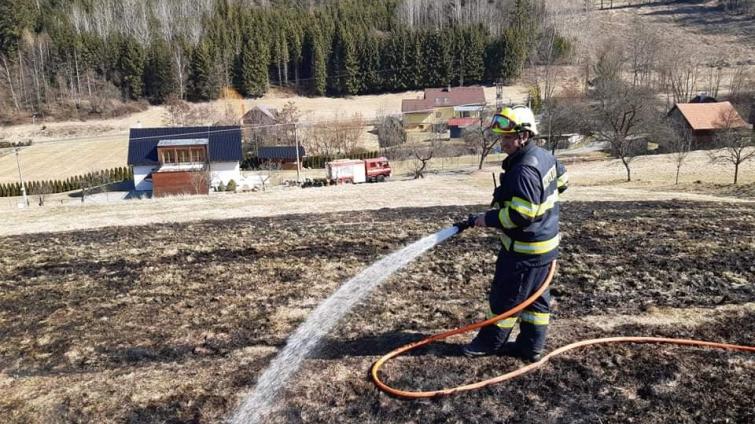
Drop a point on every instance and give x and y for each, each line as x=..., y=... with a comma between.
x=453, y=184
x=103, y=144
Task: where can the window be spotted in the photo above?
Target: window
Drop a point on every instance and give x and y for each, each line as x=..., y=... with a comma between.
x=197, y=155
x=183, y=156
x=169, y=156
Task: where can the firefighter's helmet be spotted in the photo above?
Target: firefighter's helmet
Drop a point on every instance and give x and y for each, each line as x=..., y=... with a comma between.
x=513, y=120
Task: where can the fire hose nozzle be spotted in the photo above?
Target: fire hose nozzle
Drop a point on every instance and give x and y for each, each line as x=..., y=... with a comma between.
x=467, y=223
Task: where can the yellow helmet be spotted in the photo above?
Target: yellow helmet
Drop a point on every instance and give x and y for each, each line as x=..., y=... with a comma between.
x=513, y=120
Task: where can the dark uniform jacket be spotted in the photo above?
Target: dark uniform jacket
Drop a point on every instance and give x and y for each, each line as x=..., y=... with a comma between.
x=526, y=205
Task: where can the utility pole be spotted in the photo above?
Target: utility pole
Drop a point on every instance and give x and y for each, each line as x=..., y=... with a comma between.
x=298, y=163
x=21, y=179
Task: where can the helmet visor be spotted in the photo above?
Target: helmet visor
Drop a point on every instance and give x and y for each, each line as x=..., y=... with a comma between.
x=501, y=125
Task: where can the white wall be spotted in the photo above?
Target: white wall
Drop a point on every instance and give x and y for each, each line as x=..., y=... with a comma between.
x=140, y=173
x=224, y=171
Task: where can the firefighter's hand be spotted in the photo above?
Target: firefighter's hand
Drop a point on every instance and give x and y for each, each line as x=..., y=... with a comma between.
x=471, y=221
x=480, y=220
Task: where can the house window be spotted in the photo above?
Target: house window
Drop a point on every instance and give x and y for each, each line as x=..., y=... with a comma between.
x=197, y=155
x=184, y=156
x=169, y=156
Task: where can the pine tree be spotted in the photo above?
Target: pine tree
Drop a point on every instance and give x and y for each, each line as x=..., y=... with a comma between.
x=159, y=73
x=16, y=16
x=394, y=61
x=131, y=68
x=200, y=68
x=475, y=40
x=351, y=78
x=319, y=67
x=369, y=60
x=438, y=60
x=295, y=45
x=251, y=66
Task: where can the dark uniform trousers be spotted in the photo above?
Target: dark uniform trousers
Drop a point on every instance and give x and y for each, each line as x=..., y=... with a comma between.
x=513, y=283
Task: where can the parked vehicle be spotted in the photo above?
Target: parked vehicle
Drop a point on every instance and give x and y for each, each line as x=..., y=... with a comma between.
x=358, y=171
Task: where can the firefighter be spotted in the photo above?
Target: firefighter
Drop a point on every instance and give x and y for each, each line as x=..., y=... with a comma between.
x=525, y=207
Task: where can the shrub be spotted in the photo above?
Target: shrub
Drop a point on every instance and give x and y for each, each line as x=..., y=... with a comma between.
x=221, y=186
x=231, y=186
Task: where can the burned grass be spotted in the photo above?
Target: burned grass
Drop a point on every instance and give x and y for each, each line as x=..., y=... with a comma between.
x=174, y=322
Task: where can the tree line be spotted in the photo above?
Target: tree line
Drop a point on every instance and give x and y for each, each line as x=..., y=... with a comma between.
x=79, y=52
x=78, y=182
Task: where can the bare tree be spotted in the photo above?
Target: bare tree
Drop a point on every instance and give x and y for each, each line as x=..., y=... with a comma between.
x=334, y=137
x=677, y=139
x=622, y=116
x=200, y=181
x=737, y=142
x=642, y=52
x=390, y=131
x=715, y=74
x=288, y=118
x=680, y=71
x=420, y=156
x=179, y=113
x=479, y=139
x=740, y=81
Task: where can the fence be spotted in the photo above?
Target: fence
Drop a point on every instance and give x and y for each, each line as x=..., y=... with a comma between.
x=615, y=4
x=91, y=179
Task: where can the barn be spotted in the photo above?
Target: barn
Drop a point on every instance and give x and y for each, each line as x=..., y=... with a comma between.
x=184, y=160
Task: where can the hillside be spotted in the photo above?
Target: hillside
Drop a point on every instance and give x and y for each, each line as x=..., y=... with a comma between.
x=176, y=322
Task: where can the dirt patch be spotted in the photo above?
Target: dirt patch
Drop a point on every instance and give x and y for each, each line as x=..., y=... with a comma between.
x=174, y=322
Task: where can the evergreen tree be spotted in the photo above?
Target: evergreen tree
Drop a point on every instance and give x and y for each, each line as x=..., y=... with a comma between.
x=438, y=60
x=474, y=41
x=131, y=68
x=394, y=61
x=319, y=67
x=159, y=73
x=199, y=84
x=16, y=16
x=295, y=45
x=251, y=66
x=369, y=64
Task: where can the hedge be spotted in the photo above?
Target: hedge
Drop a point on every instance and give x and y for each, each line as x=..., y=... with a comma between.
x=77, y=182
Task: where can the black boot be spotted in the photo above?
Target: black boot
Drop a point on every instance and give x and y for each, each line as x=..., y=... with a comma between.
x=487, y=342
x=514, y=350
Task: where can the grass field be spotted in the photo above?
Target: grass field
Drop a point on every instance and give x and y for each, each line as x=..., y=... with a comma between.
x=67, y=149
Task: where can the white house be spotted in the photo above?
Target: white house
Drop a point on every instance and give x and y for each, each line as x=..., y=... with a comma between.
x=184, y=159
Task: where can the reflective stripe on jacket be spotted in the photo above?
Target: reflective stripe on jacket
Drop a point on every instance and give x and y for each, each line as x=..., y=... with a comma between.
x=526, y=205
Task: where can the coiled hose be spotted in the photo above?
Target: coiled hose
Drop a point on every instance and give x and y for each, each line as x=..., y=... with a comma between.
x=375, y=370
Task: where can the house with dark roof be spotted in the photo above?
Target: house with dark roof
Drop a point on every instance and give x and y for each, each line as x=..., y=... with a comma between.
x=184, y=160
x=438, y=105
x=704, y=120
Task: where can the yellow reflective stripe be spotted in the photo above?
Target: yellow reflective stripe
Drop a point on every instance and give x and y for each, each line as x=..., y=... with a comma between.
x=507, y=323
x=506, y=241
x=504, y=323
x=535, y=318
x=549, y=203
x=533, y=210
x=563, y=179
x=505, y=219
x=536, y=247
x=524, y=207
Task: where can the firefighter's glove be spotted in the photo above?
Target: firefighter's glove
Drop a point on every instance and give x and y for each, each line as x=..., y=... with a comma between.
x=467, y=223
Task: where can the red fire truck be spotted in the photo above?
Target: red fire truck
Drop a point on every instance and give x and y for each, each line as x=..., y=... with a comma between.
x=358, y=171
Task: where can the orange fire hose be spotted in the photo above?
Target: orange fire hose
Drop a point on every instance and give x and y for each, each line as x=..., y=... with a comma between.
x=523, y=370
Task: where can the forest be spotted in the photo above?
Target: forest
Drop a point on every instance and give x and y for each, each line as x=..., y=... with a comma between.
x=83, y=55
